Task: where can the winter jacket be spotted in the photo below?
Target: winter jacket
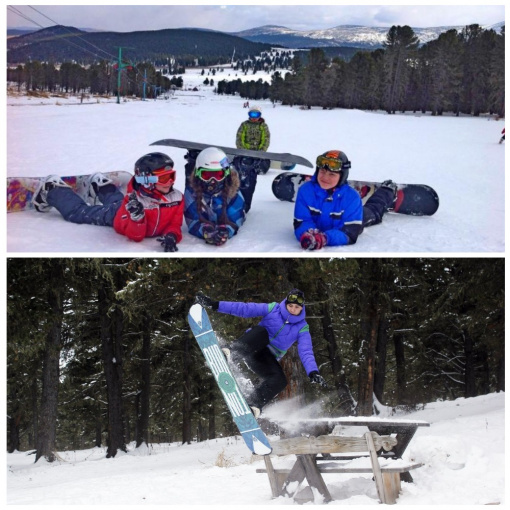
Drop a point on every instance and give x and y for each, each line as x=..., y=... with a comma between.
x=214, y=206
x=254, y=136
x=283, y=328
x=338, y=213
x=163, y=215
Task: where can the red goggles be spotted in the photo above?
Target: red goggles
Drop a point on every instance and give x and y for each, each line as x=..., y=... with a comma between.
x=208, y=175
x=165, y=176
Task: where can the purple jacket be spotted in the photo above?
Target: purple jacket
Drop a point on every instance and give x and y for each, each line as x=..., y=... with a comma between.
x=283, y=328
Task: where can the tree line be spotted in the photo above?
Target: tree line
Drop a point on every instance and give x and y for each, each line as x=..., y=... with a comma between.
x=100, y=79
x=460, y=72
x=99, y=351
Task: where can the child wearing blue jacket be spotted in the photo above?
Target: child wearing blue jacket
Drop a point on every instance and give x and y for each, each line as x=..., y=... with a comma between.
x=262, y=346
x=214, y=206
x=328, y=212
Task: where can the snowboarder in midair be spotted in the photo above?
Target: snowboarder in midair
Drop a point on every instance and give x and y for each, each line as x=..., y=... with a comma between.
x=262, y=346
x=328, y=212
x=214, y=205
x=151, y=207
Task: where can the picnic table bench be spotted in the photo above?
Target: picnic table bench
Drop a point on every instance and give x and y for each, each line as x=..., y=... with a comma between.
x=331, y=454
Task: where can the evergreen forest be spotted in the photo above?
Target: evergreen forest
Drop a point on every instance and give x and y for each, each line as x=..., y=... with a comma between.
x=460, y=72
x=99, y=351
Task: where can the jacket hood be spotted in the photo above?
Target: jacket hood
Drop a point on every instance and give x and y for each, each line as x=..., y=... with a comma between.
x=286, y=315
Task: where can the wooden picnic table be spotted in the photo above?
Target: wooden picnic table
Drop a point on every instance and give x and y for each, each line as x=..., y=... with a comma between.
x=386, y=439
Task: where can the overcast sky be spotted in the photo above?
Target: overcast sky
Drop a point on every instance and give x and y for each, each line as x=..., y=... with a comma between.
x=233, y=18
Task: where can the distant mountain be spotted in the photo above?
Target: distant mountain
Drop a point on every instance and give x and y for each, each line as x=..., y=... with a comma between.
x=343, y=35
x=187, y=46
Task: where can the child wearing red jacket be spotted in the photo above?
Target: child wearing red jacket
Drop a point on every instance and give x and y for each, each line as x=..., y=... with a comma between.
x=151, y=208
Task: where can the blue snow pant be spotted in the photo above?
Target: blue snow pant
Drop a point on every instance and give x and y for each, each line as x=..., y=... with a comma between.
x=376, y=206
x=74, y=209
x=253, y=348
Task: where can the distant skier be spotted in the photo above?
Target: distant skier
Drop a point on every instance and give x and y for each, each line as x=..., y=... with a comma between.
x=214, y=205
x=328, y=212
x=502, y=139
x=262, y=346
x=253, y=134
x=151, y=207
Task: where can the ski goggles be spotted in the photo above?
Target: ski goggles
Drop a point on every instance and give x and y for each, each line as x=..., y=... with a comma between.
x=161, y=176
x=333, y=165
x=218, y=174
x=254, y=115
x=298, y=299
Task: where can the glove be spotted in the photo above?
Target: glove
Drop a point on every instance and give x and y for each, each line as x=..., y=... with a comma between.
x=215, y=235
x=316, y=378
x=135, y=208
x=206, y=301
x=313, y=239
x=169, y=242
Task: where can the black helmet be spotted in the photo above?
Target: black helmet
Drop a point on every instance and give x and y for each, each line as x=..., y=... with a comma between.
x=335, y=161
x=148, y=165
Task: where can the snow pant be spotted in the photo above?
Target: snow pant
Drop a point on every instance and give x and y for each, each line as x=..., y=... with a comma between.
x=247, y=171
x=253, y=348
x=376, y=206
x=74, y=209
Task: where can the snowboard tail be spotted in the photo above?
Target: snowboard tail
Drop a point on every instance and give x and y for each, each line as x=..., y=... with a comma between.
x=412, y=199
x=20, y=190
x=283, y=160
x=207, y=340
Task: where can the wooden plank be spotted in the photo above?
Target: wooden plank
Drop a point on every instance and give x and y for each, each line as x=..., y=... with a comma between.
x=296, y=476
x=330, y=444
x=358, y=470
x=314, y=477
x=376, y=469
x=273, y=480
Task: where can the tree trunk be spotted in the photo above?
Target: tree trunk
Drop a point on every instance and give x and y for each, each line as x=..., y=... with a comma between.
x=212, y=410
x=46, y=434
x=346, y=405
x=111, y=339
x=186, y=397
x=142, y=426
x=469, y=377
x=380, y=370
x=400, y=360
x=369, y=330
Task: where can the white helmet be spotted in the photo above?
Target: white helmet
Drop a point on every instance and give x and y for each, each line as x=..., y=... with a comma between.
x=212, y=159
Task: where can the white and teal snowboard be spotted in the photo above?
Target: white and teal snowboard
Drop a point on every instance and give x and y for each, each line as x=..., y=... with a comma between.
x=252, y=434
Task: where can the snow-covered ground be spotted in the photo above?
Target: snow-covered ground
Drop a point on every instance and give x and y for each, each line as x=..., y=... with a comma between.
x=459, y=157
x=463, y=452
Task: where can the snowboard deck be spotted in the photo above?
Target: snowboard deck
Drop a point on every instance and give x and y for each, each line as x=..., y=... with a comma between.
x=286, y=160
x=207, y=340
x=412, y=199
x=20, y=190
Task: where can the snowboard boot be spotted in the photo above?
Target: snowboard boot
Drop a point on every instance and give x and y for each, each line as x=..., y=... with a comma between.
x=226, y=352
x=40, y=198
x=96, y=182
x=256, y=411
x=390, y=185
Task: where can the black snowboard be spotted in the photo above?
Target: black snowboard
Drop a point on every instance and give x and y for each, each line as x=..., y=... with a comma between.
x=290, y=159
x=412, y=199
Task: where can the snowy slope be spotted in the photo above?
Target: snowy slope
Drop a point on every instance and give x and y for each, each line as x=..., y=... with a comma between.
x=459, y=157
x=463, y=453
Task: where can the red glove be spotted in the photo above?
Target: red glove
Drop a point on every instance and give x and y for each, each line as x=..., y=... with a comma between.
x=313, y=239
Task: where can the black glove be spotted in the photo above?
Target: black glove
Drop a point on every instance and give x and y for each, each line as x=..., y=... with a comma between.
x=206, y=301
x=135, y=208
x=316, y=378
x=169, y=242
x=216, y=235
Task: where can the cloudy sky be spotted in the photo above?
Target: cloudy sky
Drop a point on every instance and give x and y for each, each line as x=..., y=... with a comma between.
x=233, y=18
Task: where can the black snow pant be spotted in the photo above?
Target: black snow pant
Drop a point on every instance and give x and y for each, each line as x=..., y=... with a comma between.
x=252, y=347
x=376, y=206
x=74, y=209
